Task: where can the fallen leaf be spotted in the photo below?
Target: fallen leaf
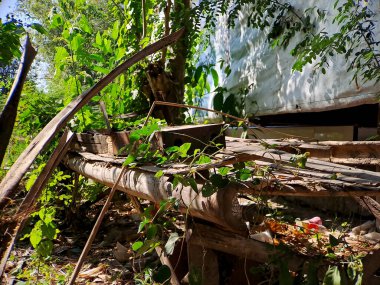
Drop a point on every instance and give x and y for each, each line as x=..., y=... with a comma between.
x=121, y=253
x=93, y=272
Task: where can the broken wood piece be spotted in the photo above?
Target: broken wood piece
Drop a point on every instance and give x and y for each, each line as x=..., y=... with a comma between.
x=165, y=260
x=213, y=238
x=372, y=206
x=9, y=113
x=208, y=137
x=105, y=116
x=9, y=184
x=351, y=153
x=33, y=194
x=203, y=137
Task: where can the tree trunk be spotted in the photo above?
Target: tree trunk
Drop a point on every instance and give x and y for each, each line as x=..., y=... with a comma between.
x=9, y=113
x=169, y=84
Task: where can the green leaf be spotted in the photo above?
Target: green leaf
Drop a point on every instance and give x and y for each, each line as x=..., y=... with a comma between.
x=159, y=174
x=100, y=69
x=239, y=165
x=243, y=174
x=137, y=245
x=151, y=231
x=193, y=184
x=170, y=244
x=183, y=149
x=107, y=45
x=218, y=181
x=61, y=56
x=172, y=149
x=198, y=73
x=115, y=30
x=224, y=170
x=333, y=240
x=218, y=101
x=84, y=25
x=208, y=189
x=332, y=276
x=130, y=158
x=47, y=214
x=215, y=77
x=39, y=28
x=162, y=274
x=98, y=39
x=49, y=231
x=120, y=53
x=36, y=234
x=97, y=57
x=133, y=137
x=77, y=42
x=45, y=248
x=178, y=178
x=56, y=21
x=142, y=224
x=203, y=159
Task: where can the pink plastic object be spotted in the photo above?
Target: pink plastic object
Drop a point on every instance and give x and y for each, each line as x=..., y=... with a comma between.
x=316, y=221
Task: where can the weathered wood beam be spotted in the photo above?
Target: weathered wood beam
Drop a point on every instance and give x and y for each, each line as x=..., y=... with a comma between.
x=256, y=151
x=244, y=247
x=8, y=186
x=221, y=208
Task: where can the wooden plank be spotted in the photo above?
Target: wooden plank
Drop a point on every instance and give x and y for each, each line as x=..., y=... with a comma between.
x=202, y=137
x=358, y=153
x=33, y=194
x=257, y=151
x=203, y=265
x=8, y=186
x=234, y=244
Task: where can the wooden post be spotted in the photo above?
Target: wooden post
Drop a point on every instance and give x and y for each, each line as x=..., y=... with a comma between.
x=203, y=265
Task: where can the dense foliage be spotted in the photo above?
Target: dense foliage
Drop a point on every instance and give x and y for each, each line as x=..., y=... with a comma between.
x=81, y=41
